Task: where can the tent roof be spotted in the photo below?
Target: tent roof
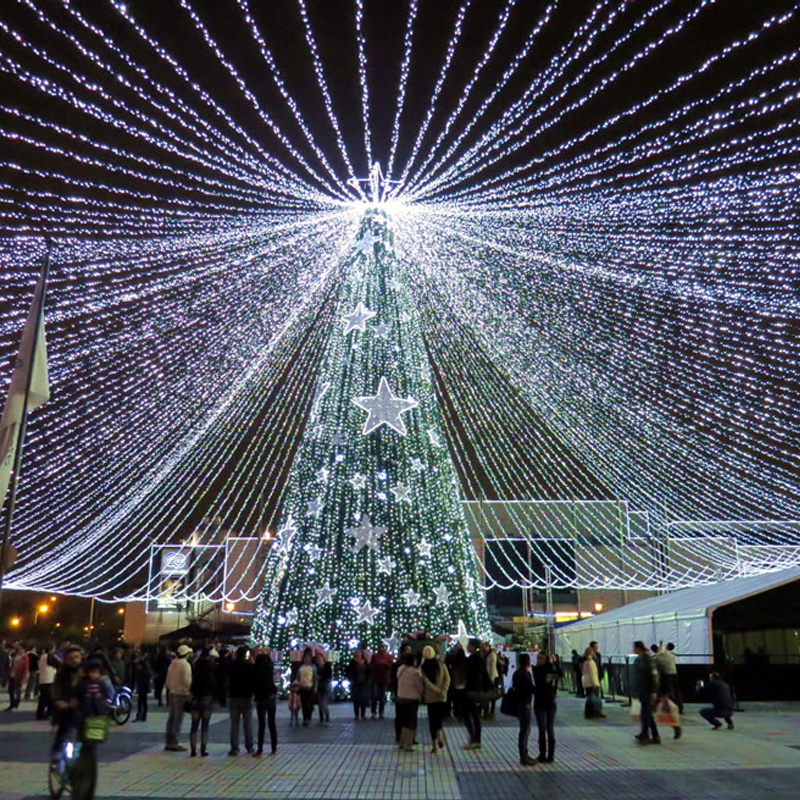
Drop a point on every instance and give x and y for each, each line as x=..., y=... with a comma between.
x=694, y=602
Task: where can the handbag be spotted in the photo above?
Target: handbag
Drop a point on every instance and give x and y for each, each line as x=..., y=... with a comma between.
x=509, y=704
x=95, y=729
x=668, y=714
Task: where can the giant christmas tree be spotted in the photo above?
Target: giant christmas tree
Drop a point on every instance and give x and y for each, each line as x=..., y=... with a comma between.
x=373, y=540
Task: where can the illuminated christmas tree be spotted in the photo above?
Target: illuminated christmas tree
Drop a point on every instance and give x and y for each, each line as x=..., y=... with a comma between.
x=373, y=540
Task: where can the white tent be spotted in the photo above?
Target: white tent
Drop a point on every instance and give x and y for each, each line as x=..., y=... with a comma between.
x=682, y=617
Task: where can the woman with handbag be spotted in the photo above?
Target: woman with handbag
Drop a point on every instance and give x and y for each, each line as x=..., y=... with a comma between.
x=436, y=680
x=590, y=679
x=409, y=695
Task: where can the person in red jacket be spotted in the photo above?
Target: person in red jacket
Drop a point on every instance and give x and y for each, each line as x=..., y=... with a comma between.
x=17, y=677
x=381, y=676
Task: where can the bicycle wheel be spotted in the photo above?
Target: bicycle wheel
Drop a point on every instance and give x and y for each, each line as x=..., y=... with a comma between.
x=56, y=778
x=122, y=711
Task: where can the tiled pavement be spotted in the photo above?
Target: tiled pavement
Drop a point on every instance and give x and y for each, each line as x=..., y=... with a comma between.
x=349, y=760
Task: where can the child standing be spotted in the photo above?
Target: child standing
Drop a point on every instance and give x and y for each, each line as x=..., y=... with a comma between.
x=295, y=702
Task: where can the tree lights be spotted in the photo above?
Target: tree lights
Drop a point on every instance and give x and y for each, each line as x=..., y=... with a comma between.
x=588, y=298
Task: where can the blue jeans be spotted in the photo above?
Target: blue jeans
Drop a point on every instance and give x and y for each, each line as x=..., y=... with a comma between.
x=545, y=720
x=524, y=729
x=648, y=720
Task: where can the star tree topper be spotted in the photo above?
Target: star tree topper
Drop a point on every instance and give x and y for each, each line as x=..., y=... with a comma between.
x=384, y=409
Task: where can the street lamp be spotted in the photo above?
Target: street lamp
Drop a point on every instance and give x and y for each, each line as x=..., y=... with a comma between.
x=15, y=622
x=42, y=609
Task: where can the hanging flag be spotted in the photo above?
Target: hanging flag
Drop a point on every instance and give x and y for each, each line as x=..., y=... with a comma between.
x=32, y=349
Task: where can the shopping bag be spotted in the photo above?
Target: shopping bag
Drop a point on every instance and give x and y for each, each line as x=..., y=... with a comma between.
x=635, y=710
x=95, y=729
x=509, y=705
x=668, y=713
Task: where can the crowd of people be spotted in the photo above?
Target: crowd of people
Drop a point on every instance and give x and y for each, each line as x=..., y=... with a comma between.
x=464, y=684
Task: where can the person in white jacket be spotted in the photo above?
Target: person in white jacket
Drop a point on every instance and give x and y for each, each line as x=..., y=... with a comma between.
x=179, y=686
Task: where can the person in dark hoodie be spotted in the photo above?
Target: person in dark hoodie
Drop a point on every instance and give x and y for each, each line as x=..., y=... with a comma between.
x=204, y=687
x=266, y=697
x=240, y=699
x=92, y=699
x=546, y=674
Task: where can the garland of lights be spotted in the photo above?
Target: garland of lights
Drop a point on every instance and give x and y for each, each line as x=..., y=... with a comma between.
x=605, y=289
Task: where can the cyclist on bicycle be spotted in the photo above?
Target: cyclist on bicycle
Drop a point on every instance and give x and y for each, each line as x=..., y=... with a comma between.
x=65, y=702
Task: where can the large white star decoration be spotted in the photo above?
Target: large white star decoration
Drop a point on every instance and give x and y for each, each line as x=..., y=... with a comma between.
x=402, y=493
x=357, y=319
x=425, y=548
x=291, y=616
x=461, y=634
x=288, y=530
x=386, y=565
x=393, y=642
x=434, y=438
x=417, y=465
x=325, y=594
x=442, y=595
x=322, y=474
x=365, y=534
x=366, y=242
x=382, y=329
x=314, y=507
x=384, y=409
x=366, y=613
x=411, y=597
x=337, y=439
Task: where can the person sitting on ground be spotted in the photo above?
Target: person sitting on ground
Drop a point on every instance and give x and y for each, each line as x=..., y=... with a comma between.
x=719, y=694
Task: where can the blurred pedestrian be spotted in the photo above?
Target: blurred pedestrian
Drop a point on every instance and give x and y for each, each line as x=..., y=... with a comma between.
x=381, y=679
x=240, y=699
x=265, y=693
x=523, y=690
x=48, y=666
x=307, y=678
x=142, y=676
x=436, y=682
x=179, y=688
x=546, y=675
x=647, y=688
x=324, y=679
x=409, y=695
x=358, y=675
x=203, y=689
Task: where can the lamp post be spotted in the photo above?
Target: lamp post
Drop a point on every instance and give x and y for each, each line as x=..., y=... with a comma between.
x=42, y=609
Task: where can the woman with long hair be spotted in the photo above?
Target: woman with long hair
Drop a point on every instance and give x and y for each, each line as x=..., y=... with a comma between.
x=436, y=682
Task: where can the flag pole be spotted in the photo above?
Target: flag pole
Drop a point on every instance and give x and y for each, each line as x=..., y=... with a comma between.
x=12, y=489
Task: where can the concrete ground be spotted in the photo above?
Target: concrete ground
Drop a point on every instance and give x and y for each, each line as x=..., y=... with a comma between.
x=760, y=759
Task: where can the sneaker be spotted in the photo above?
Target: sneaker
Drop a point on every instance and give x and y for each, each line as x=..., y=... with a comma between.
x=193, y=754
x=678, y=733
x=374, y=716
x=233, y=752
x=730, y=725
x=550, y=759
x=204, y=754
x=655, y=740
x=468, y=746
x=716, y=726
x=176, y=748
x=527, y=761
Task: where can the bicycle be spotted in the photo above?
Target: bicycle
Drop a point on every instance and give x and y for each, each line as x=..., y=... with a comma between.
x=121, y=705
x=74, y=768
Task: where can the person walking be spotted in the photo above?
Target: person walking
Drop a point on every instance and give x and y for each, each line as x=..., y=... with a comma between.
x=160, y=668
x=142, y=675
x=647, y=689
x=720, y=695
x=324, y=679
x=32, y=686
x=179, y=689
x=436, y=683
x=668, y=667
x=546, y=674
x=456, y=663
x=523, y=690
x=577, y=672
x=240, y=699
x=409, y=695
x=307, y=678
x=265, y=693
x=590, y=680
x=17, y=677
x=477, y=684
x=380, y=668
x=490, y=662
x=48, y=666
x=358, y=675
x=203, y=689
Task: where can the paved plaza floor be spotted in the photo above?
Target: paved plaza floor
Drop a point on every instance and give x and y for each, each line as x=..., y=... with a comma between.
x=349, y=760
